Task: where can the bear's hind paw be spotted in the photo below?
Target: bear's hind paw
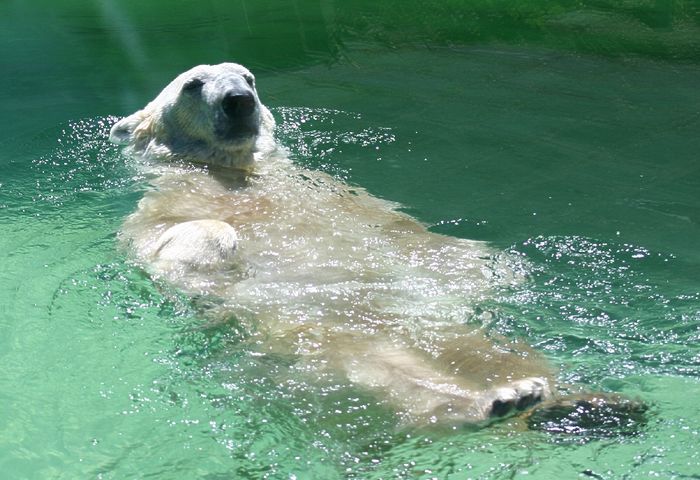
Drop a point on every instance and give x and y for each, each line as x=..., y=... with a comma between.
x=518, y=396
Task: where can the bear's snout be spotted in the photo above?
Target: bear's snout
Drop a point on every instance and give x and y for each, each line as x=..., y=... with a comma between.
x=238, y=119
x=238, y=105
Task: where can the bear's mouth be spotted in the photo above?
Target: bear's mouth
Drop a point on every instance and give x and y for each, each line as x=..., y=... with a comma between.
x=238, y=131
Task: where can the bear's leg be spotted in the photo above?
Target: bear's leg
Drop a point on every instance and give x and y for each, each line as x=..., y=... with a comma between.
x=197, y=245
x=421, y=389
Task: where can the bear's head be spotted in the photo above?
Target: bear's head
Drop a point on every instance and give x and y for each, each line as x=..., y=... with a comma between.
x=210, y=114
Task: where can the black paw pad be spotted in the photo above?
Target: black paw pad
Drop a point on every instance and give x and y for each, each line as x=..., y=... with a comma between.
x=501, y=408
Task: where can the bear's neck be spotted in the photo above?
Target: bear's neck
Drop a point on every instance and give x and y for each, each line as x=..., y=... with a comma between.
x=238, y=157
x=241, y=159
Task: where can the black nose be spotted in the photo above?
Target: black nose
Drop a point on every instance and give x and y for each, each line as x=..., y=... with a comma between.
x=238, y=105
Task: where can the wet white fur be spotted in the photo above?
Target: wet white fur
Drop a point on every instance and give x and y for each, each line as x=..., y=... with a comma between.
x=323, y=271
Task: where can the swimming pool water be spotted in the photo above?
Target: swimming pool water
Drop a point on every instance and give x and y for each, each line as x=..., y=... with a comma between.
x=545, y=129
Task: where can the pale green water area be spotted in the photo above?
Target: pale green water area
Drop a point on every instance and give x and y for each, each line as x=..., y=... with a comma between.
x=567, y=132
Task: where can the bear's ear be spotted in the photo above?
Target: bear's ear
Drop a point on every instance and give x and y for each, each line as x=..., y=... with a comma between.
x=122, y=131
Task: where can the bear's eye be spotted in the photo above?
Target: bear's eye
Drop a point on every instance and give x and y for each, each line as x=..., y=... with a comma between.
x=193, y=85
x=249, y=79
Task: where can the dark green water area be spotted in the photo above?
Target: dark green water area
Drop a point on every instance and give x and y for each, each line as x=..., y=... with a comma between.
x=566, y=132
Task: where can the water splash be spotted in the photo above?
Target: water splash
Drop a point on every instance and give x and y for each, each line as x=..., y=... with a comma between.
x=316, y=136
x=613, y=309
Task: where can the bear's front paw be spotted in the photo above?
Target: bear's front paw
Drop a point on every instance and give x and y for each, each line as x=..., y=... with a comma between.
x=196, y=245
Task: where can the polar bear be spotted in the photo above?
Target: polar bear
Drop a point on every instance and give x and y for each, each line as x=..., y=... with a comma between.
x=338, y=279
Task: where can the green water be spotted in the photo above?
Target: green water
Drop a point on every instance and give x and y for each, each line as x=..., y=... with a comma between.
x=565, y=132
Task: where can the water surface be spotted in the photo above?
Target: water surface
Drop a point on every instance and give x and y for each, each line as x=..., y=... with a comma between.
x=563, y=132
